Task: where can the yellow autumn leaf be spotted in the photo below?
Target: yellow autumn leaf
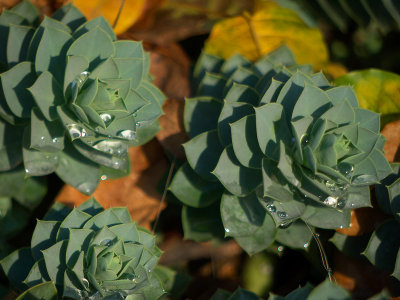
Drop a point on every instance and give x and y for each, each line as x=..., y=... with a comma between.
x=130, y=13
x=268, y=28
x=376, y=90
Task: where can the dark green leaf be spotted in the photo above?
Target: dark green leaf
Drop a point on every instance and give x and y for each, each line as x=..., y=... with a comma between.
x=202, y=153
x=296, y=236
x=16, y=82
x=45, y=290
x=202, y=224
x=384, y=245
x=193, y=190
x=236, y=178
x=241, y=216
x=201, y=114
x=17, y=265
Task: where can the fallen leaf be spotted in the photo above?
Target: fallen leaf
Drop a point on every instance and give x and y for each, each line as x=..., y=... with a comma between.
x=172, y=134
x=5, y=4
x=136, y=191
x=46, y=7
x=359, y=277
x=177, y=20
x=363, y=220
x=392, y=134
x=376, y=90
x=132, y=11
x=267, y=29
x=170, y=68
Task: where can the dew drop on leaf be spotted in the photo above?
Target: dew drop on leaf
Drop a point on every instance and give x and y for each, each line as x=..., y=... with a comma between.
x=271, y=208
x=85, y=282
x=127, y=134
x=285, y=225
x=346, y=169
x=331, y=201
x=105, y=242
x=282, y=214
x=106, y=118
x=76, y=131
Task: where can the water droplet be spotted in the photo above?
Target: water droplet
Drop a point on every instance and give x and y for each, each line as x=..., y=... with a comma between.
x=76, y=131
x=331, y=201
x=281, y=248
x=105, y=242
x=106, y=118
x=27, y=171
x=285, y=225
x=271, y=208
x=113, y=147
x=127, y=134
x=282, y=214
x=227, y=230
x=103, y=177
x=85, y=282
x=85, y=188
x=304, y=140
x=365, y=179
x=346, y=169
x=42, y=138
x=306, y=245
x=336, y=190
x=78, y=83
x=341, y=204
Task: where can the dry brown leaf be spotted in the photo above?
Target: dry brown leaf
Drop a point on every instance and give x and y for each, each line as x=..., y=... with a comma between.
x=363, y=220
x=170, y=67
x=392, y=134
x=177, y=251
x=46, y=7
x=136, y=191
x=172, y=134
x=359, y=277
x=5, y=4
x=176, y=20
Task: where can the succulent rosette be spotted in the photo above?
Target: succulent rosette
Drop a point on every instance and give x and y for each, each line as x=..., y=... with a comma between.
x=271, y=146
x=88, y=252
x=73, y=98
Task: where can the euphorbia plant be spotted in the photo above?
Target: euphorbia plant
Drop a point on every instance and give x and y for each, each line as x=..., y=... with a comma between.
x=88, y=252
x=279, y=145
x=73, y=98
